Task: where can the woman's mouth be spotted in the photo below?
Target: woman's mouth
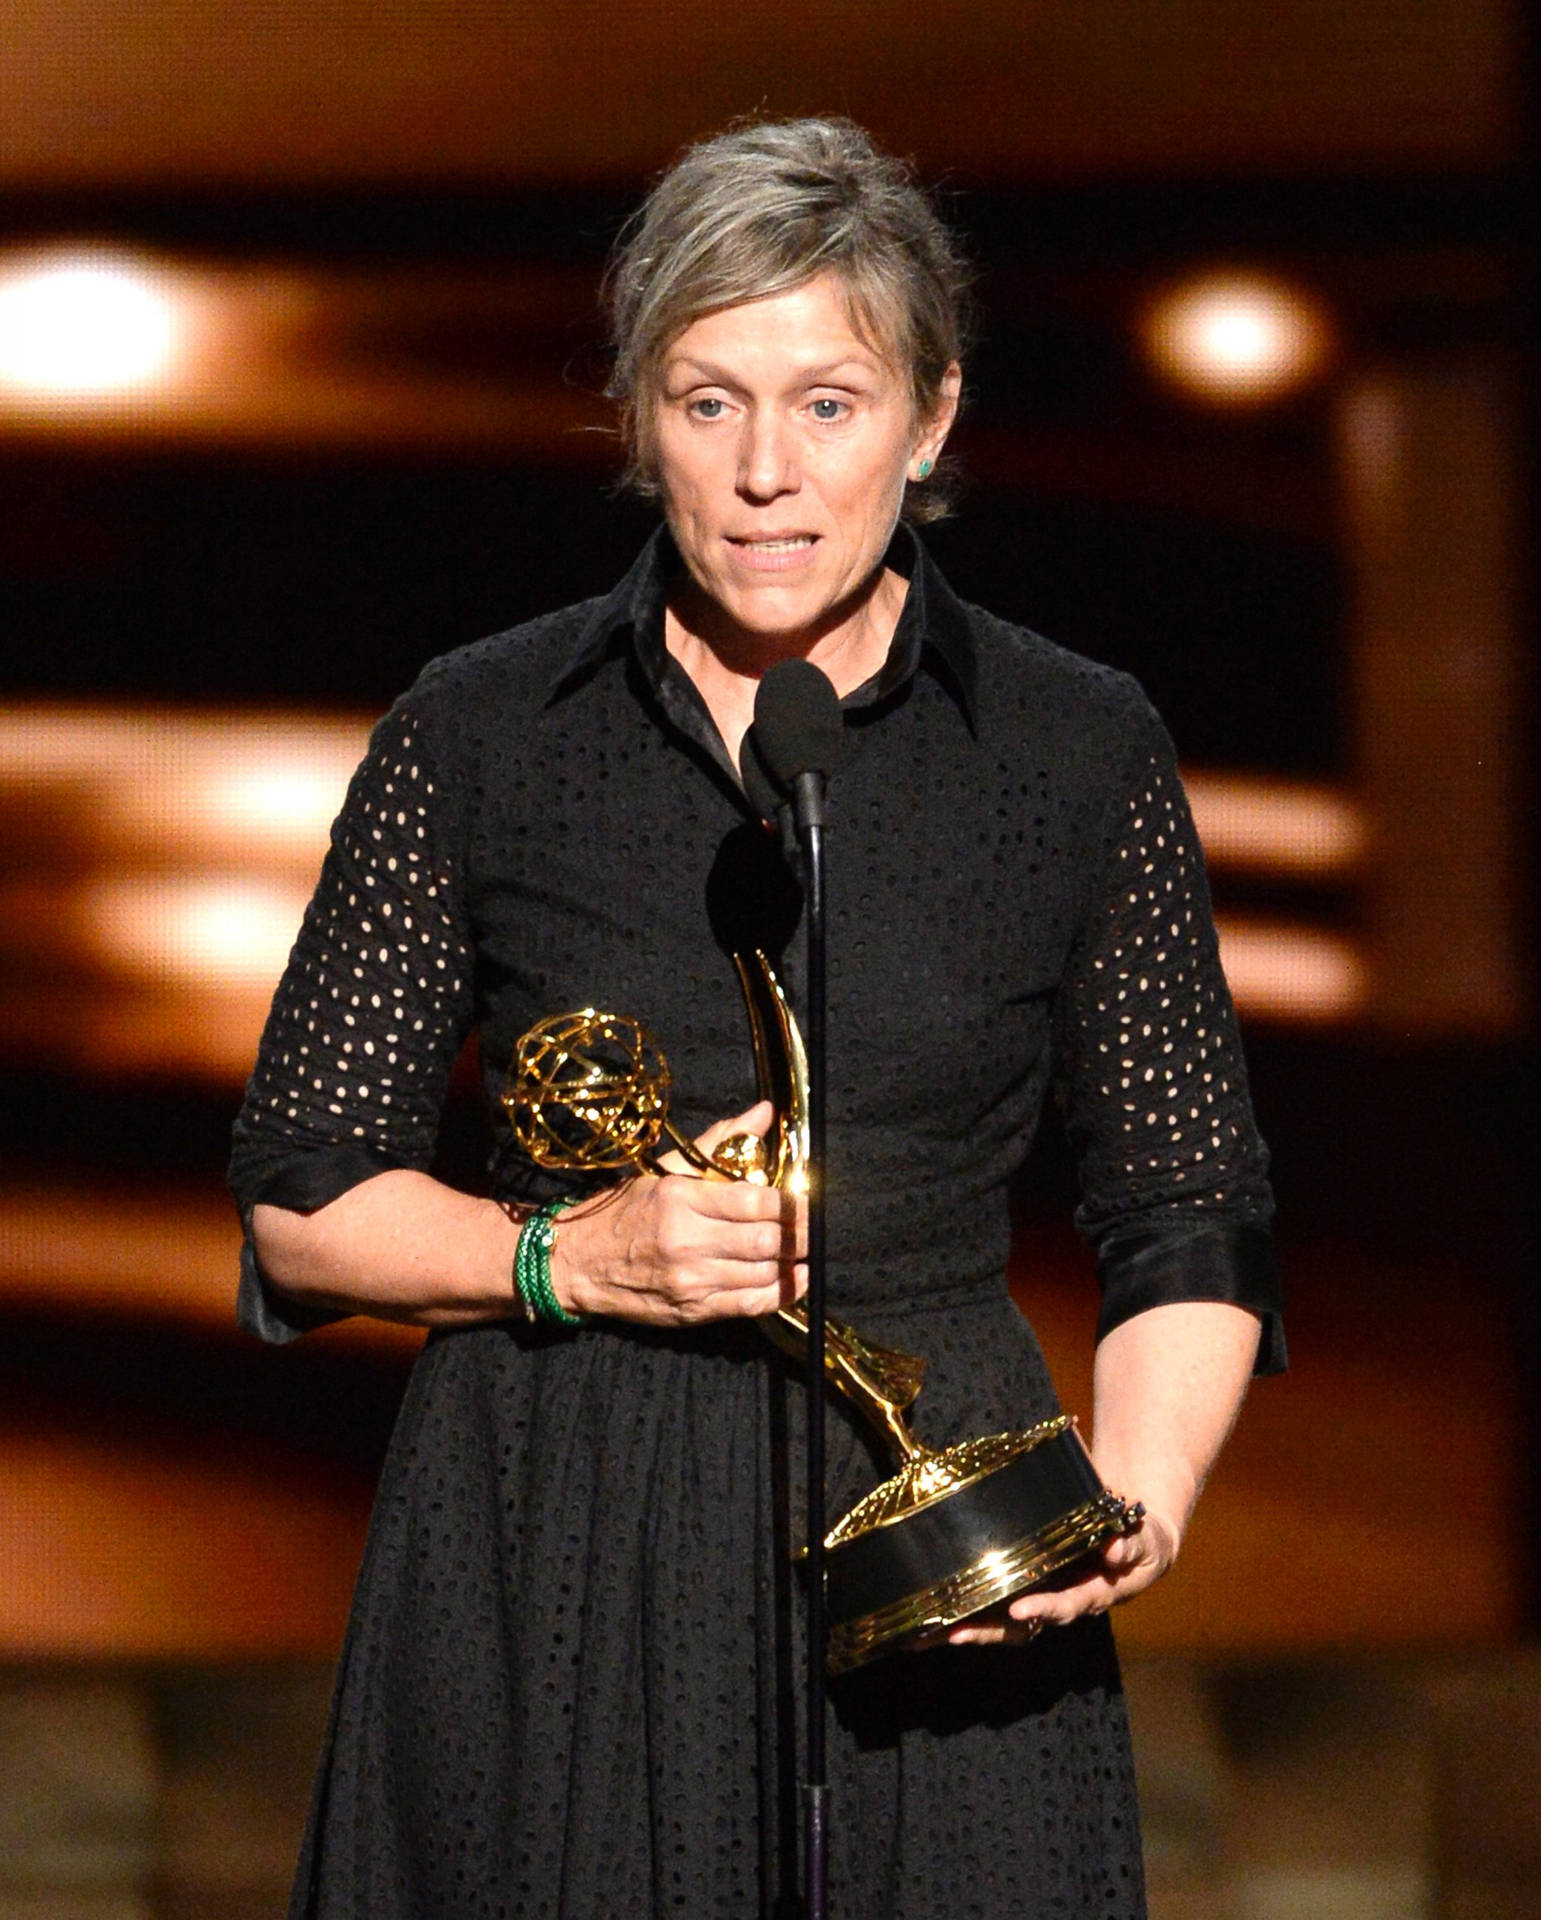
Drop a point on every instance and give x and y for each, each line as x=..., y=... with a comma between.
x=775, y=552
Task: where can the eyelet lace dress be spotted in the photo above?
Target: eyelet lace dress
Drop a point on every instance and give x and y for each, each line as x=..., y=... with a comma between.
x=571, y=1679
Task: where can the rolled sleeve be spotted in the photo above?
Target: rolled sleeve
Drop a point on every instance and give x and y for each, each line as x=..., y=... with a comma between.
x=1237, y=1265
x=1150, y=1075
x=371, y=1012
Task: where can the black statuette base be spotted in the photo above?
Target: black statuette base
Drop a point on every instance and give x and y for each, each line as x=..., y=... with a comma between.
x=993, y=1536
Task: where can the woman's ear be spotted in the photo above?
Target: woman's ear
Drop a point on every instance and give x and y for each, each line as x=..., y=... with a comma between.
x=934, y=432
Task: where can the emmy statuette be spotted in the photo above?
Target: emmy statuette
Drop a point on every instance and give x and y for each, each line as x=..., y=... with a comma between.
x=953, y=1531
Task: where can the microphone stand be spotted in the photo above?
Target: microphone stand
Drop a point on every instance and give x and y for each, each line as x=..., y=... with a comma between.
x=808, y=802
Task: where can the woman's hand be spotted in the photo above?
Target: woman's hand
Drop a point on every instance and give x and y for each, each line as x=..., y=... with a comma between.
x=1166, y=1387
x=1124, y=1567
x=676, y=1249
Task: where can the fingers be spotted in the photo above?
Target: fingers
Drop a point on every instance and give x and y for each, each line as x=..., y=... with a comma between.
x=988, y=1633
x=732, y=1220
x=756, y=1120
x=1027, y=1617
x=729, y=1199
x=1087, y=1598
x=729, y=1249
x=680, y=1251
x=725, y=1248
x=721, y=1291
x=1126, y=1551
x=740, y=1301
x=1125, y=1566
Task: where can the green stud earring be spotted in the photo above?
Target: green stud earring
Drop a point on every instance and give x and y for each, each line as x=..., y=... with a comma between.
x=924, y=472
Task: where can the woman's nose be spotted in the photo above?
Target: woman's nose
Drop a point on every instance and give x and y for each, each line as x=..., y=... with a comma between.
x=767, y=459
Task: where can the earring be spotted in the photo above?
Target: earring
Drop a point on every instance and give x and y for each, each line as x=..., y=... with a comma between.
x=924, y=471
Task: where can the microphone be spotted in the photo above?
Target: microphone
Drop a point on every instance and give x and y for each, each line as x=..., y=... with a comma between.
x=797, y=737
x=764, y=796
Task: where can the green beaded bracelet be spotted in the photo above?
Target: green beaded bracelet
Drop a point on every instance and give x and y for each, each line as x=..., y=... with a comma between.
x=532, y=1268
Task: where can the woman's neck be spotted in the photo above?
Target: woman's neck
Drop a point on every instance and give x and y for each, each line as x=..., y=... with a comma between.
x=725, y=662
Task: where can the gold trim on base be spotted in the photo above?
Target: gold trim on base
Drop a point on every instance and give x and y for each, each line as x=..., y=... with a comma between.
x=929, y=1477
x=997, y=1576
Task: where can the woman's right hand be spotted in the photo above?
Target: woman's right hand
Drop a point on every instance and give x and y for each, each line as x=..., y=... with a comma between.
x=676, y=1249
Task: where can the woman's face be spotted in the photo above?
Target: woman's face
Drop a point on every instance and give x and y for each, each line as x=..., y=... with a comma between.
x=783, y=442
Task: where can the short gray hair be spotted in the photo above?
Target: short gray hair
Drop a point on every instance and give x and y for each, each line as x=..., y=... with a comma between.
x=766, y=207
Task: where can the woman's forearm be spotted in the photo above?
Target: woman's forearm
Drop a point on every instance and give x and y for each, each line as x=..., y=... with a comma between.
x=1167, y=1387
x=667, y=1250
x=401, y=1246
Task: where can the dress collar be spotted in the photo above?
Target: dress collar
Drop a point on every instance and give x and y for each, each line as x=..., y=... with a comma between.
x=933, y=629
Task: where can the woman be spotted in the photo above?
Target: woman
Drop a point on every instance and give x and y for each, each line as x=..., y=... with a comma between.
x=565, y=1688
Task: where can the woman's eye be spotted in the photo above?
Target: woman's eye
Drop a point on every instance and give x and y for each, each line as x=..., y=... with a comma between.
x=706, y=408
x=825, y=408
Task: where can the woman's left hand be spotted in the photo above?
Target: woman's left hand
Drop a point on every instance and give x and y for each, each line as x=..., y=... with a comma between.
x=1166, y=1386
x=1123, y=1568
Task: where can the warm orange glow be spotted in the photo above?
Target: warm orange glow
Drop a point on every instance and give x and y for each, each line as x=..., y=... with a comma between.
x=1279, y=971
x=287, y=96
x=169, y=1257
x=1237, y=339
x=96, y=345
x=121, y=1548
x=1287, y=828
x=282, y=794
x=175, y=853
x=217, y=931
x=158, y=783
x=86, y=324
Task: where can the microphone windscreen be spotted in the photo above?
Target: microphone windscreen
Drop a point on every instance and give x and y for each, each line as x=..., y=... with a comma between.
x=797, y=723
x=764, y=795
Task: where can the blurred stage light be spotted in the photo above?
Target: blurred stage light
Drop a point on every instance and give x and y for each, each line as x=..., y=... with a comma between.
x=100, y=344
x=85, y=325
x=222, y=789
x=277, y=796
x=220, y=932
x=1237, y=339
x=1288, y=829
x=1283, y=971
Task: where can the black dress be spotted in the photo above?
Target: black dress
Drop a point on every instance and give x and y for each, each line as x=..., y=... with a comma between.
x=565, y=1689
